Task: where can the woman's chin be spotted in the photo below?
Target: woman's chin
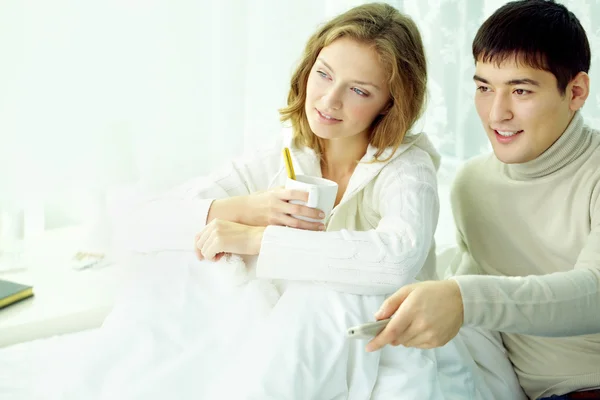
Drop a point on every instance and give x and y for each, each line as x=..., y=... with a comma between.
x=323, y=135
x=323, y=132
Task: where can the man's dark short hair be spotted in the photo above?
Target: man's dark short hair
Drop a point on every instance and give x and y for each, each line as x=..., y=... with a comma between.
x=537, y=33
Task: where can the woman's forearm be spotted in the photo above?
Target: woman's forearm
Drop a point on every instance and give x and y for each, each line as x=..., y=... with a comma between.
x=229, y=209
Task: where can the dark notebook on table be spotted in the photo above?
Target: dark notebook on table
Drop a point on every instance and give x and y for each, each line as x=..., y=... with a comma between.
x=11, y=292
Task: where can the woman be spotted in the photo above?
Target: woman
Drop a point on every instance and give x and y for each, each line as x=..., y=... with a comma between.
x=353, y=101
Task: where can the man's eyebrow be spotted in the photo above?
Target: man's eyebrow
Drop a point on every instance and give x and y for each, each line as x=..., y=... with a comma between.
x=359, y=82
x=520, y=81
x=523, y=81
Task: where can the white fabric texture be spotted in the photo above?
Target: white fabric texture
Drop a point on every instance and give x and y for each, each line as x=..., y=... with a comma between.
x=379, y=237
x=189, y=329
x=26, y=366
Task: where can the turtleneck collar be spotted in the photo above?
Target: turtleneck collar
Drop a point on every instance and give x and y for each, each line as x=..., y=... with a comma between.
x=570, y=145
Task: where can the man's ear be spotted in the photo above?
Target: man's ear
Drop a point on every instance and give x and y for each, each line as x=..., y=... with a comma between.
x=578, y=90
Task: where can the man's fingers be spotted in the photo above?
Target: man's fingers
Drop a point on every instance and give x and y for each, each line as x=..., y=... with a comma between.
x=392, y=303
x=384, y=337
x=393, y=331
x=408, y=338
x=397, y=326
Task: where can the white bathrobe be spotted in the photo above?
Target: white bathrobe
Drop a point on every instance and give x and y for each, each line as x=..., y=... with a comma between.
x=378, y=238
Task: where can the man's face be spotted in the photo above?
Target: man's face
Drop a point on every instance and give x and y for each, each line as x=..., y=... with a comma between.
x=521, y=109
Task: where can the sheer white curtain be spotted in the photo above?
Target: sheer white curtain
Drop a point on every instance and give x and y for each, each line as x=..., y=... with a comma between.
x=95, y=94
x=217, y=81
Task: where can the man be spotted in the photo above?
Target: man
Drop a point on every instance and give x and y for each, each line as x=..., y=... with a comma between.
x=528, y=215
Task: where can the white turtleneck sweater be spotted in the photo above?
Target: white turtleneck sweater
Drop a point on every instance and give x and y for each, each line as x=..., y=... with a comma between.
x=529, y=261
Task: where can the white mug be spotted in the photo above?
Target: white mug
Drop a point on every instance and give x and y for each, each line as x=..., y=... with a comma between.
x=321, y=194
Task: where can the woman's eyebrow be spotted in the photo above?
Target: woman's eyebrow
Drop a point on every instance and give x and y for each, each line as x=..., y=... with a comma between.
x=359, y=82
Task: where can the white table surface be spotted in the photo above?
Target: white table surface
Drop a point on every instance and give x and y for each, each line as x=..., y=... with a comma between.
x=66, y=300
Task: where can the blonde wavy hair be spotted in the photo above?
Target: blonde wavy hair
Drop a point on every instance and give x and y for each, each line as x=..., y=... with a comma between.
x=397, y=40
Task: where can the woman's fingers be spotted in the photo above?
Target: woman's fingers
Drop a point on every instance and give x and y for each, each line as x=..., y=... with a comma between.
x=202, y=237
x=292, y=194
x=303, y=211
x=285, y=205
x=211, y=248
x=199, y=255
x=287, y=220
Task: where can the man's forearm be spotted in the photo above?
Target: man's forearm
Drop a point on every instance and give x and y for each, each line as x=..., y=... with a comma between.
x=558, y=304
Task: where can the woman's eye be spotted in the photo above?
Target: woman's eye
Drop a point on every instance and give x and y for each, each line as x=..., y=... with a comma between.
x=359, y=92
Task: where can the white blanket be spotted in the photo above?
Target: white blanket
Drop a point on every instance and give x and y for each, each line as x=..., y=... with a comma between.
x=187, y=329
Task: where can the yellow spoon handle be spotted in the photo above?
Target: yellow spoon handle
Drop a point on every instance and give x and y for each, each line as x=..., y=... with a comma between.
x=288, y=163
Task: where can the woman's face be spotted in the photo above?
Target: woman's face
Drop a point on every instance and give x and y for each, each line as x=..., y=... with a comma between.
x=346, y=90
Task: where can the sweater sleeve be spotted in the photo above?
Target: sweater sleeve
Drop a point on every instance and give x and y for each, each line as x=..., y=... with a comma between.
x=463, y=262
x=377, y=261
x=171, y=220
x=553, y=305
